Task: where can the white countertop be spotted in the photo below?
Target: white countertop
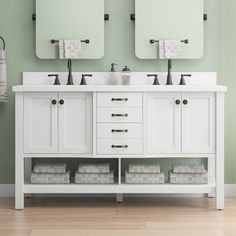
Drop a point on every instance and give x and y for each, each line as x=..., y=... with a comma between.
x=119, y=88
x=40, y=82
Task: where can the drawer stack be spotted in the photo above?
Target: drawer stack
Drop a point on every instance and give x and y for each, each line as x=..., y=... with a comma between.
x=119, y=123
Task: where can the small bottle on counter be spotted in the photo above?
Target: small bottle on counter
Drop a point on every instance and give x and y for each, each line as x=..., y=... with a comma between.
x=126, y=76
x=113, y=76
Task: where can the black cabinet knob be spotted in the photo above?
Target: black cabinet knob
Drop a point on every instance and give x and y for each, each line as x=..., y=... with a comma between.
x=185, y=102
x=54, y=102
x=177, y=102
x=61, y=102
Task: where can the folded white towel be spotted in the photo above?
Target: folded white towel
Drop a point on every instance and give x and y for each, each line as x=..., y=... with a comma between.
x=72, y=49
x=173, y=49
x=3, y=76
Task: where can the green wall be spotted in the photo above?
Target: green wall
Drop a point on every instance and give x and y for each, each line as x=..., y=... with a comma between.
x=18, y=29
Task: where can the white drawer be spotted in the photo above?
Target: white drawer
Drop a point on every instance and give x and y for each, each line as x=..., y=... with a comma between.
x=119, y=99
x=119, y=131
x=119, y=115
x=119, y=146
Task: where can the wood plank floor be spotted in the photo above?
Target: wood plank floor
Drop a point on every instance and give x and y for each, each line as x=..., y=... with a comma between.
x=103, y=217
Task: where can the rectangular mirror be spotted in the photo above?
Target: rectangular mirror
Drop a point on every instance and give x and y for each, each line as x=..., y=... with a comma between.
x=70, y=20
x=169, y=20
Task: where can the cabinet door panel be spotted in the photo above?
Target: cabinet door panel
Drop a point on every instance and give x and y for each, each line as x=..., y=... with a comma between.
x=75, y=123
x=198, y=123
x=40, y=123
x=163, y=123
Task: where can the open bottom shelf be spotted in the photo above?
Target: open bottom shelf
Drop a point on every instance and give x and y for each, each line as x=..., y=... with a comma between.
x=117, y=188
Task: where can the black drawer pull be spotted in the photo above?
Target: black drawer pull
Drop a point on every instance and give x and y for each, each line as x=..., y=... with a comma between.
x=185, y=102
x=119, y=115
x=119, y=99
x=119, y=131
x=119, y=146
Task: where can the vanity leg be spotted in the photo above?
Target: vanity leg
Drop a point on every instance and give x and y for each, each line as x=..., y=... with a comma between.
x=119, y=197
x=211, y=173
x=27, y=172
x=19, y=159
x=19, y=183
x=220, y=151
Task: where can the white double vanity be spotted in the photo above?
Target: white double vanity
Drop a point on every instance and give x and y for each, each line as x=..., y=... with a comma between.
x=114, y=121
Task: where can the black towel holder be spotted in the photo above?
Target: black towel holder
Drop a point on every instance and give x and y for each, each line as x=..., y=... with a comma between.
x=152, y=41
x=3, y=41
x=82, y=41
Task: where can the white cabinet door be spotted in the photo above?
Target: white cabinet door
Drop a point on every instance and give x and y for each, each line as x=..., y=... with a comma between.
x=198, y=123
x=163, y=117
x=75, y=122
x=40, y=123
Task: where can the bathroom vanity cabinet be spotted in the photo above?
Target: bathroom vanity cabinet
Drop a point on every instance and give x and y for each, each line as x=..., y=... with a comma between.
x=100, y=121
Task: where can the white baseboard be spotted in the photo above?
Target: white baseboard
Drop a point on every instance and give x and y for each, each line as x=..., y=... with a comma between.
x=230, y=190
x=8, y=190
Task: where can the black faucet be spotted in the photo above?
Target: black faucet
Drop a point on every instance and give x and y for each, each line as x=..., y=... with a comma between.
x=155, y=82
x=70, y=77
x=169, y=77
x=57, y=81
x=83, y=80
x=182, y=81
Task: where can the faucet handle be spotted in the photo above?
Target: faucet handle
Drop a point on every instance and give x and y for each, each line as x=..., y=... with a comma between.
x=156, y=81
x=182, y=80
x=83, y=80
x=57, y=81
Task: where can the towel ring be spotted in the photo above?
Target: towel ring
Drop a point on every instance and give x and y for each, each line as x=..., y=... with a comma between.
x=3, y=41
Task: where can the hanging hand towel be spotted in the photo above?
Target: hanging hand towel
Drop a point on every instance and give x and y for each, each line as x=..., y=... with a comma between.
x=161, y=49
x=173, y=49
x=72, y=49
x=3, y=76
x=61, y=49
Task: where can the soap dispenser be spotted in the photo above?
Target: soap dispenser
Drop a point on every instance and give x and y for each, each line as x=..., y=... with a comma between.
x=113, y=77
x=126, y=76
